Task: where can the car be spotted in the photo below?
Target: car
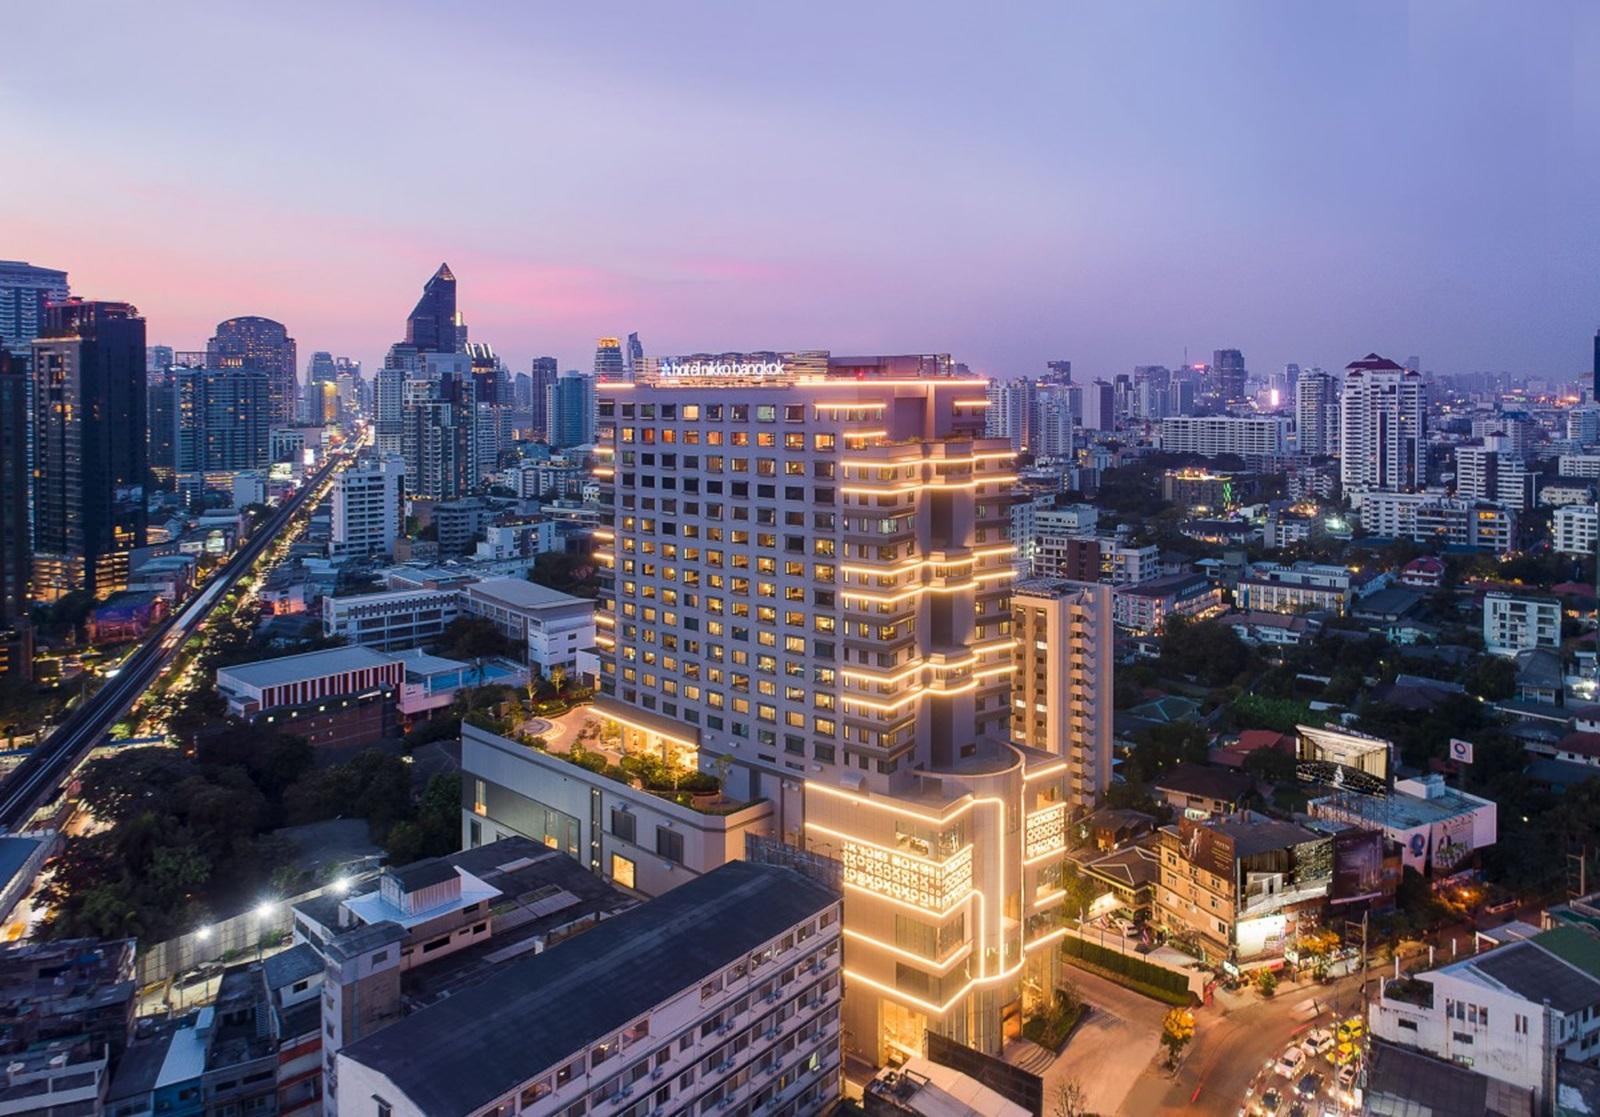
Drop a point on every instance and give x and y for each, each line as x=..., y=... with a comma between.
x=1271, y=1102
x=1290, y=1062
x=1309, y=1086
x=1318, y=1041
x=1297, y=1110
x=1347, y=1077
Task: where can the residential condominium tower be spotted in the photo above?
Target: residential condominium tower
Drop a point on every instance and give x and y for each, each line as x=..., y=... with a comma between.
x=1061, y=693
x=807, y=593
x=1384, y=429
x=1316, y=413
x=89, y=447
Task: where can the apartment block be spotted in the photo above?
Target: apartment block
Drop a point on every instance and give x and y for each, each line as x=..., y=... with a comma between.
x=1576, y=528
x=1441, y=520
x=1493, y=473
x=368, y=508
x=1061, y=693
x=1517, y=622
x=723, y=994
x=1145, y=607
x=1211, y=436
x=1383, y=428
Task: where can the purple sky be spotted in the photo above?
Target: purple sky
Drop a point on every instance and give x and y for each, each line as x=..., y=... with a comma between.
x=1009, y=183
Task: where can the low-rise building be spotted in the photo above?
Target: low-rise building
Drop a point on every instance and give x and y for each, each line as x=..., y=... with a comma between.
x=553, y=626
x=1304, y=587
x=1512, y=1013
x=648, y=842
x=1199, y=791
x=723, y=994
x=1239, y=889
x=342, y=696
x=1277, y=629
x=1437, y=828
x=393, y=619
x=1145, y=607
x=1424, y=573
x=1515, y=622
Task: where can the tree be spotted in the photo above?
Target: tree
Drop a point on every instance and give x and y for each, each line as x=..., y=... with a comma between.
x=1267, y=982
x=1492, y=677
x=1210, y=651
x=470, y=638
x=1070, y=1100
x=1177, y=1029
x=1271, y=764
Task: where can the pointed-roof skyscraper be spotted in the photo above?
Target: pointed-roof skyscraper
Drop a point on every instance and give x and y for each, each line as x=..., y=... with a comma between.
x=431, y=328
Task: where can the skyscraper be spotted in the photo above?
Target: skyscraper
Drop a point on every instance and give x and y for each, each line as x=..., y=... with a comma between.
x=437, y=440
x=543, y=375
x=1384, y=428
x=1596, y=396
x=1227, y=369
x=1060, y=372
x=571, y=408
x=24, y=290
x=89, y=446
x=220, y=423
x=260, y=343
x=157, y=358
x=1316, y=412
x=635, y=355
x=608, y=358
x=431, y=326
x=16, y=548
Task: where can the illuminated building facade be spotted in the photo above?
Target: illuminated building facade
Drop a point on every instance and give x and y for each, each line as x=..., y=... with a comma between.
x=89, y=447
x=808, y=594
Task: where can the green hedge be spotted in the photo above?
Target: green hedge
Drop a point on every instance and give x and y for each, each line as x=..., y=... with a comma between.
x=1129, y=969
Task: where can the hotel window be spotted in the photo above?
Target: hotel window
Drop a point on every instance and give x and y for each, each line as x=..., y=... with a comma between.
x=621, y=875
x=669, y=844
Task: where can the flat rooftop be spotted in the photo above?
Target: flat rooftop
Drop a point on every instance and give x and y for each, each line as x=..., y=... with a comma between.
x=461, y=1053
x=1400, y=811
x=523, y=594
x=308, y=665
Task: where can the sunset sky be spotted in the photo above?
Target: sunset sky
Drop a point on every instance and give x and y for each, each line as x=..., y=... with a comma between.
x=1009, y=183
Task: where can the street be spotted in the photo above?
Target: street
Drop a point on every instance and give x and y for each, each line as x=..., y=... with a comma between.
x=1115, y=1055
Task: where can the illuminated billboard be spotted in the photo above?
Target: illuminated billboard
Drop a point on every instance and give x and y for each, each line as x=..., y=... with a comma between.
x=1344, y=760
x=1357, y=865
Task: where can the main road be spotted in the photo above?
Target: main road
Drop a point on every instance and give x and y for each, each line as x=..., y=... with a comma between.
x=40, y=777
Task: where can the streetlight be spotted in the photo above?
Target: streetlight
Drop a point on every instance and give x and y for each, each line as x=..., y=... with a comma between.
x=263, y=913
x=341, y=886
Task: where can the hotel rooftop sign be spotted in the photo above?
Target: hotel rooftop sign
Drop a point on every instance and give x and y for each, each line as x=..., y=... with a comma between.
x=719, y=368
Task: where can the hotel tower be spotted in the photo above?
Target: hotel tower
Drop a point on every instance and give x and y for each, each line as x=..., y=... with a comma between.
x=807, y=595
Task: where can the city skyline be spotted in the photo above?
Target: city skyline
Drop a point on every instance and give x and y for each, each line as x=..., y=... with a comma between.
x=1066, y=184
